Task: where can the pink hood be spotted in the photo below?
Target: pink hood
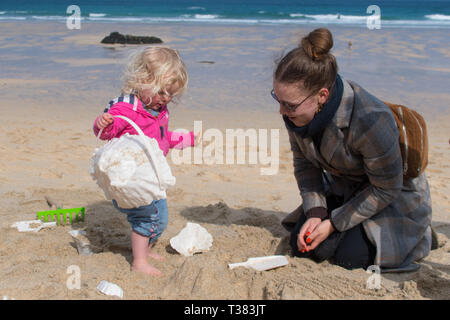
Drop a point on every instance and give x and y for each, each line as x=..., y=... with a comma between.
x=131, y=107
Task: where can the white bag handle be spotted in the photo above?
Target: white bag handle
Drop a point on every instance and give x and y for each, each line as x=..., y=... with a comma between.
x=148, y=148
x=131, y=122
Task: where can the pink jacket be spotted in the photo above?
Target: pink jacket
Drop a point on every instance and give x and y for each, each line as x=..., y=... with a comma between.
x=131, y=107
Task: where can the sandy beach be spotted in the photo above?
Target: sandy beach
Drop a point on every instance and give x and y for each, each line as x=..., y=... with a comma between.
x=55, y=81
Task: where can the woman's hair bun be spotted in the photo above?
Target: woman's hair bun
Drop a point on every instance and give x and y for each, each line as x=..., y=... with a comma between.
x=317, y=43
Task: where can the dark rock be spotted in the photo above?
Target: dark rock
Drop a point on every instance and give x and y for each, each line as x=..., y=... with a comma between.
x=116, y=37
x=206, y=61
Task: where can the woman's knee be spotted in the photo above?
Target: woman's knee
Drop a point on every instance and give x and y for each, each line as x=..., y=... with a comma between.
x=355, y=250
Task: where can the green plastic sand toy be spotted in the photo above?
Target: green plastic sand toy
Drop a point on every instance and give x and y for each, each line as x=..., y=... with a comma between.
x=61, y=215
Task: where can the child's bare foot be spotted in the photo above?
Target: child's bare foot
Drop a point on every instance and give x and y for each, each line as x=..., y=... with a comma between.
x=145, y=267
x=153, y=254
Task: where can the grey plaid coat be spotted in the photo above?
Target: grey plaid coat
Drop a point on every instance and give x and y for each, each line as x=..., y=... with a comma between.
x=360, y=151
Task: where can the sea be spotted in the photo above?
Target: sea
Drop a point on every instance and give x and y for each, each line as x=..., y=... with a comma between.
x=409, y=13
x=405, y=61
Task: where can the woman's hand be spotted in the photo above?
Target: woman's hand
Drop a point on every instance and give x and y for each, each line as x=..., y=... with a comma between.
x=323, y=230
x=104, y=120
x=308, y=227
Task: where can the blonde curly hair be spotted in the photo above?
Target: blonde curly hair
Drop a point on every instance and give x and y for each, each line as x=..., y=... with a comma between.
x=155, y=68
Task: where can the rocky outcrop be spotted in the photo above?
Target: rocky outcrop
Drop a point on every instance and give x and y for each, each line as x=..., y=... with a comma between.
x=116, y=37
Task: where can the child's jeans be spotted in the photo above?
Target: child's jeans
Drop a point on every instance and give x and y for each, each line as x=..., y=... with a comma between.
x=148, y=221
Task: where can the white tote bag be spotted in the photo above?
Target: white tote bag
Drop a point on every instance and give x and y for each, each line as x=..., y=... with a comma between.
x=131, y=169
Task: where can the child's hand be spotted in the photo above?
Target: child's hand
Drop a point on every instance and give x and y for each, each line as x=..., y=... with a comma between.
x=198, y=138
x=104, y=120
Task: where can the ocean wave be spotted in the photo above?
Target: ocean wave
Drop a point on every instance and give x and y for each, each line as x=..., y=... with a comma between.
x=330, y=17
x=13, y=18
x=117, y=19
x=437, y=17
x=196, y=8
x=206, y=16
x=293, y=18
x=49, y=17
x=2, y=12
x=418, y=23
x=197, y=16
x=97, y=15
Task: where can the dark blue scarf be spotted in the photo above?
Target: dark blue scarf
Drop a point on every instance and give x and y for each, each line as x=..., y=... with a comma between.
x=315, y=128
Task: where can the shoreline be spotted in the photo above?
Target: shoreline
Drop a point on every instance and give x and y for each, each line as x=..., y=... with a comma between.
x=386, y=23
x=235, y=24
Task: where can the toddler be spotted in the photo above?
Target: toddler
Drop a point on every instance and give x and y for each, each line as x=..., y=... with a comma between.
x=154, y=76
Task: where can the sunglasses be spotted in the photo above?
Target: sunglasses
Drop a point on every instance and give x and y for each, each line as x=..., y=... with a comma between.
x=166, y=94
x=289, y=106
